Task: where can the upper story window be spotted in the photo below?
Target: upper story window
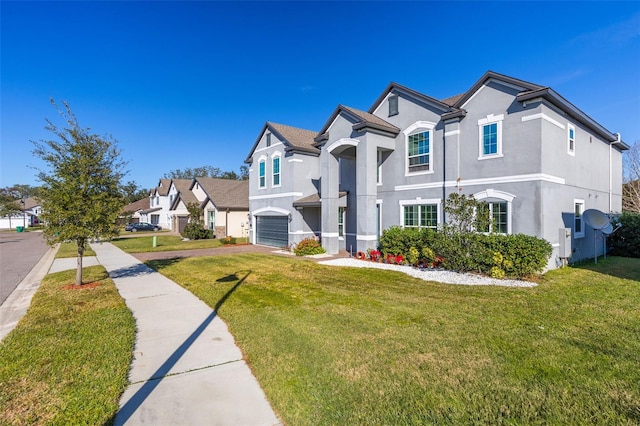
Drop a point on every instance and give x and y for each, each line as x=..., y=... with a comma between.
x=268, y=139
x=490, y=131
x=261, y=173
x=571, y=139
x=419, y=138
x=578, y=223
x=275, y=167
x=419, y=152
x=393, y=105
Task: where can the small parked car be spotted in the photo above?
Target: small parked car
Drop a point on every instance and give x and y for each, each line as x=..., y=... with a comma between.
x=142, y=226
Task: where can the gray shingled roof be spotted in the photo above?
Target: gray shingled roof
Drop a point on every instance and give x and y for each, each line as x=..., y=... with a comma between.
x=451, y=101
x=295, y=136
x=137, y=205
x=164, y=189
x=368, y=118
x=184, y=188
x=226, y=193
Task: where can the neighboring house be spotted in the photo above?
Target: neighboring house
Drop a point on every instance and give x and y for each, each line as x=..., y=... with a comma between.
x=160, y=202
x=30, y=216
x=181, y=196
x=131, y=213
x=225, y=205
x=536, y=159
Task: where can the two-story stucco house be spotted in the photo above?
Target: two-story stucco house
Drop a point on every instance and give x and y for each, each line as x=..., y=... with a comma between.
x=536, y=159
x=160, y=202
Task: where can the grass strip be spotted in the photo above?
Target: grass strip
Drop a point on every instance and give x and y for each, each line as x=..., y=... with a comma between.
x=359, y=346
x=70, y=249
x=67, y=360
x=167, y=243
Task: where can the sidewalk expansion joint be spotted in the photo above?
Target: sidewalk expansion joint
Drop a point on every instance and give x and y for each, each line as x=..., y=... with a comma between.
x=153, y=295
x=187, y=371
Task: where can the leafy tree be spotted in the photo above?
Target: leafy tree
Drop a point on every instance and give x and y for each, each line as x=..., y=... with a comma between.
x=81, y=191
x=8, y=205
x=207, y=171
x=132, y=192
x=631, y=186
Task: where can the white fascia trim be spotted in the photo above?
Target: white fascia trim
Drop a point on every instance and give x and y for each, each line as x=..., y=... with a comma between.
x=360, y=237
x=270, y=209
x=329, y=235
x=452, y=133
x=544, y=117
x=296, y=160
x=419, y=201
x=282, y=195
x=472, y=96
x=491, y=118
x=268, y=147
x=492, y=193
x=419, y=125
x=342, y=142
x=486, y=181
x=301, y=233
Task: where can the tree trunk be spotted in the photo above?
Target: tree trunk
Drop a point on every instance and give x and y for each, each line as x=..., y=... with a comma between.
x=80, y=242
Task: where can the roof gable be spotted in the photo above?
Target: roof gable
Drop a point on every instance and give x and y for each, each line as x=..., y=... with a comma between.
x=362, y=120
x=225, y=193
x=501, y=78
x=410, y=93
x=294, y=138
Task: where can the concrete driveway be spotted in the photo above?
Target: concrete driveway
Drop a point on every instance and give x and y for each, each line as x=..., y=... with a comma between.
x=19, y=253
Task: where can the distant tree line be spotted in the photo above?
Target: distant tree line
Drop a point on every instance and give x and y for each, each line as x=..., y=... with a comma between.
x=208, y=171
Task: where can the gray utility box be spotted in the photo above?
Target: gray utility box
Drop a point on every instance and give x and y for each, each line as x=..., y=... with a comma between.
x=564, y=237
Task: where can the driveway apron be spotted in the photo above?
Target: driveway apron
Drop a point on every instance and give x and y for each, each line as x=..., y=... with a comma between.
x=187, y=368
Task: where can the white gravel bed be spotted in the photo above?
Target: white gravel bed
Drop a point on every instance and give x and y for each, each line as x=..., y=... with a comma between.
x=439, y=275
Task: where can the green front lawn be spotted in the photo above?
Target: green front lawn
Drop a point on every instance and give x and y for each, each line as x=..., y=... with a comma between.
x=67, y=361
x=164, y=243
x=355, y=346
x=70, y=249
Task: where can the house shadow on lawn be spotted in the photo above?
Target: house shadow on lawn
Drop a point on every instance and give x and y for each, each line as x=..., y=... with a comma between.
x=616, y=266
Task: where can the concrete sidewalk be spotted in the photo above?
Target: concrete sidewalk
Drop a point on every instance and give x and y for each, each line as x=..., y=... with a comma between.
x=187, y=369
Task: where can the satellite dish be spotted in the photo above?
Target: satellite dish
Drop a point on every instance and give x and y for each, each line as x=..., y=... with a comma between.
x=596, y=219
x=608, y=229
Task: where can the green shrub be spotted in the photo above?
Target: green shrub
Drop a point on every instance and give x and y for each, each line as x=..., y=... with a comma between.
x=194, y=230
x=397, y=240
x=307, y=247
x=228, y=240
x=413, y=256
x=626, y=240
x=515, y=256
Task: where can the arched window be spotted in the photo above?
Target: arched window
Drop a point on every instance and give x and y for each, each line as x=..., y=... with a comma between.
x=419, y=145
x=499, y=206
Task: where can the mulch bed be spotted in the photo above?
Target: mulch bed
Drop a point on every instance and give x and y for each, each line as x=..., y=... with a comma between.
x=81, y=287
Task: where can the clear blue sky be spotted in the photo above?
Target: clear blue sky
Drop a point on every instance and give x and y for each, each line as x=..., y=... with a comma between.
x=186, y=84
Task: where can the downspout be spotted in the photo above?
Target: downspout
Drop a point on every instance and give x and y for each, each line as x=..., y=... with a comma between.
x=611, y=171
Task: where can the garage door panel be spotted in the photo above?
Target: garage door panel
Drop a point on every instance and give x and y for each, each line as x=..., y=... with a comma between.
x=272, y=230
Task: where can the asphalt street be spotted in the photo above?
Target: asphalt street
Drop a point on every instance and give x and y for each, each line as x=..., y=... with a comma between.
x=19, y=253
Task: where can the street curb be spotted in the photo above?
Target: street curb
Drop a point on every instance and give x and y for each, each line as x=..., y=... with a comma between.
x=18, y=302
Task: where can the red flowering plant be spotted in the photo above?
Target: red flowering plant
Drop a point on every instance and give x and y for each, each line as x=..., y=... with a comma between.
x=399, y=259
x=374, y=255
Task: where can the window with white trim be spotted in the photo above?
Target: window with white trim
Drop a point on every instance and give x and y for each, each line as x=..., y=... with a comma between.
x=268, y=139
x=275, y=168
x=341, y=214
x=262, y=170
x=578, y=222
x=490, y=136
x=420, y=216
x=571, y=139
x=499, y=217
x=419, y=152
